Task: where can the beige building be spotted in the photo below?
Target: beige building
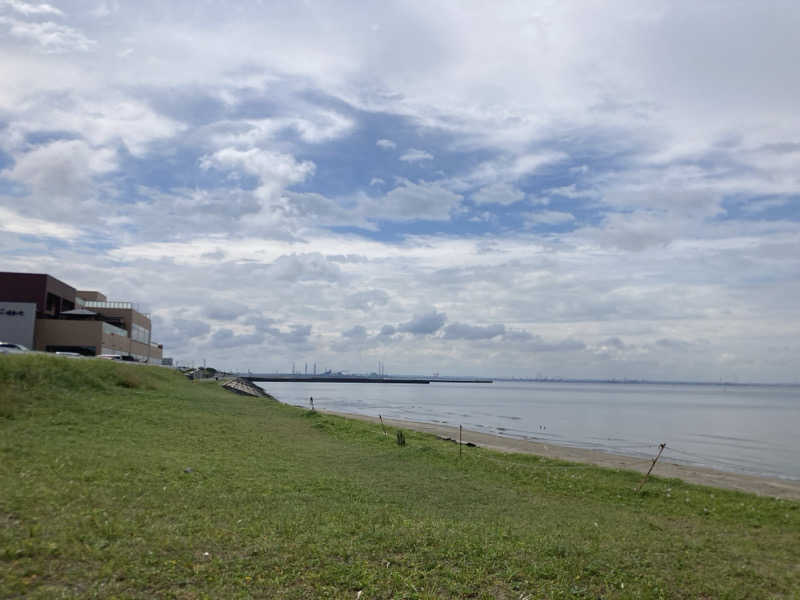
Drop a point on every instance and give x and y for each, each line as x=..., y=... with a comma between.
x=68, y=320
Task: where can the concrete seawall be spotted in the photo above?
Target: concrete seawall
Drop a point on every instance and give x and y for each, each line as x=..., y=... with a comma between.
x=244, y=387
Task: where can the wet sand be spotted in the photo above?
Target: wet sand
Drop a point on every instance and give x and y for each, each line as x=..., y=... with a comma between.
x=762, y=486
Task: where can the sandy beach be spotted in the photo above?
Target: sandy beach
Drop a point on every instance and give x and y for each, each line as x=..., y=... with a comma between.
x=762, y=486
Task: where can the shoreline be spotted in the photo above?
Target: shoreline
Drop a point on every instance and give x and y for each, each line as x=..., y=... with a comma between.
x=761, y=486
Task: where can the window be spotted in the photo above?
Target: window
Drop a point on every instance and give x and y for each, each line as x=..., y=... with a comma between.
x=140, y=334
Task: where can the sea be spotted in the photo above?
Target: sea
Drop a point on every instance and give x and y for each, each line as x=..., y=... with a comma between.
x=749, y=429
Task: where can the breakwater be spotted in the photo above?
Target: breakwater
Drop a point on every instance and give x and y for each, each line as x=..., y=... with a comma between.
x=346, y=379
x=266, y=378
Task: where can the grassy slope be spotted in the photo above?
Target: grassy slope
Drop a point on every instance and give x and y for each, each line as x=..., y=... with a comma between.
x=96, y=501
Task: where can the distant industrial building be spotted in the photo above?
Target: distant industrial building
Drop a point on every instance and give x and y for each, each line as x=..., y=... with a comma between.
x=46, y=314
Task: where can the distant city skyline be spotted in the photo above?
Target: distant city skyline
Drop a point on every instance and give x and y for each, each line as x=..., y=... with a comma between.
x=586, y=190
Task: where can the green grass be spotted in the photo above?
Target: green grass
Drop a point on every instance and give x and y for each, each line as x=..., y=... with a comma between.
x=132, y=482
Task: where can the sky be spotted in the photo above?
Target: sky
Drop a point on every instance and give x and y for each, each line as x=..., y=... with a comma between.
x=510, y=189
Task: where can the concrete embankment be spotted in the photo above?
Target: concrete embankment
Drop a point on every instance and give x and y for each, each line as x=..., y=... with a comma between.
x=244, y=387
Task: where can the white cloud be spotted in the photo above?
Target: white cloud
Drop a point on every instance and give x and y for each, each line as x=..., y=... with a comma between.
x=107, y=122
x=229, y=310
x=315, y=127
x=465, y=331
x=411, y=201
x=27, y=8
x=498, y=193
x=296, y=209
x=104, y=9
x=424, y=323
x=68, y=160
x=261, y=163
x=226, y=338
x=548, y=217
x=304, y=267
x=326, y=125
x=759, y=206
x=12, y=222
x=366, y=300
x=415, y=155
x=51, y=37
x=61, y=178
x=571, y=191
x=509, y=169
x=274, y=170
x=357, y=332
x=386, y=144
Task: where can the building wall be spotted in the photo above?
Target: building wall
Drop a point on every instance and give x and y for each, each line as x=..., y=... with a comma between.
x=128, y=316
x=24, y=287
x=57, y=332
x=17, y=322
x=102, y=337
x=145, y=352
x=115, y=344
x=35, y=287
x=93, y=295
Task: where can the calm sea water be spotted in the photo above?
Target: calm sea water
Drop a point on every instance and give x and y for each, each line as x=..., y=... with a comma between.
x=750, y=429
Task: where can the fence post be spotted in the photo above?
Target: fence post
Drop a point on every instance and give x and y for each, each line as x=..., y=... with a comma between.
x=382, y=427
x=655, y=460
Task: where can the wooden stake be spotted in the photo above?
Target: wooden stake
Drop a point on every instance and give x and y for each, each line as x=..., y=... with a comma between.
x=459, y=441
x=655, y=460
x=382, y=427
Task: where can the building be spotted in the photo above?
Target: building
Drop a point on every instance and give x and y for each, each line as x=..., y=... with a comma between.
x=44, y=313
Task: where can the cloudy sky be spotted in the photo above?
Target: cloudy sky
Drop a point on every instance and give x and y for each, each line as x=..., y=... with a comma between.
x=575, y=189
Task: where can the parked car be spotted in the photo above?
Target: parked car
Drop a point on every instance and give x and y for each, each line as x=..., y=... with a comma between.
x=110, y=356
x=9, y=348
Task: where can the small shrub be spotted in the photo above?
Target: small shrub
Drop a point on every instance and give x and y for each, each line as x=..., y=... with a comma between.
x=401, y=438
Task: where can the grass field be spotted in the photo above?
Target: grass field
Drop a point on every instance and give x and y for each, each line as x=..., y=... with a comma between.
x=132, y=482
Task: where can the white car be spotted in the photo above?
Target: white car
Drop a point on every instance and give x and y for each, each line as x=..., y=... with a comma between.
x=9, y=348
x=110, y=356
